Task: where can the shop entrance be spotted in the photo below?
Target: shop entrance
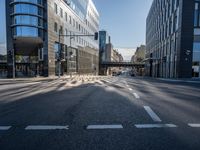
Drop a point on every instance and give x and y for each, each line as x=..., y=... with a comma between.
x=27, y=69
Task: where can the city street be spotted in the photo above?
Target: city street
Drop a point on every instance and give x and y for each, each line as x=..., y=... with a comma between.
x=100, y=113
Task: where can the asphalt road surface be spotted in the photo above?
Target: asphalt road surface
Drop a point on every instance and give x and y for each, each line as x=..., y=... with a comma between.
x=100, y=113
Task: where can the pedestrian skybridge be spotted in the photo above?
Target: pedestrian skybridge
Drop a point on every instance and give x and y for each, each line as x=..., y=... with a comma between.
x=122, y=64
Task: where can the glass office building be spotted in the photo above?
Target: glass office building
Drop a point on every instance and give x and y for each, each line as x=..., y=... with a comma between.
x=3, y=44
x=172, y=39
x=196, y=42
x=29, y=43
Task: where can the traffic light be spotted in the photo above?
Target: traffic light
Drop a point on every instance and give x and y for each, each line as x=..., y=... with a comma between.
x=96, y=36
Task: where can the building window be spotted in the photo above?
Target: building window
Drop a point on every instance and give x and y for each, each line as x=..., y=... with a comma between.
x=196, y=15
x=66, y=17
x=55, y=27
x=73, y=23
x=28, y=9
x=77, y=25
x=66, y=32
x=55, y=8
x=196, y=46
x=61, y=30
x=27, y=31
x=27, y=20
x=196, y=31
x=56, y=50
x=70, y=19
x=61, y=12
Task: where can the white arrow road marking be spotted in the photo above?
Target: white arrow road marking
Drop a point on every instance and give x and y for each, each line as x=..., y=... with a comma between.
x=61, y=88
x=100, y=127
x=155, y=126
x=46, y=127
x=152, y=114
x=5, y=128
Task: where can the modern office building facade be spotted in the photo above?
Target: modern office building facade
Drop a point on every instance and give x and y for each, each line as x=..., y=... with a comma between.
x=103, y=41
x=32, y=36
x=173, y=39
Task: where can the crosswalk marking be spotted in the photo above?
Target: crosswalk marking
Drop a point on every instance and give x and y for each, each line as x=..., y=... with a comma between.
x=46, y=127
x=155, y=126
x=152, y=114
x=100, y=127
x=4, y=128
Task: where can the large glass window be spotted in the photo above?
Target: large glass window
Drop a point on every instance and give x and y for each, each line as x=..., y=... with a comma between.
x=196, y=15
x=3, y=47
x=196, y=51
x=56, y=50
x=28, y=9
x=31, y=1
x=196, y=47
x=27, y=20
x=27, y=31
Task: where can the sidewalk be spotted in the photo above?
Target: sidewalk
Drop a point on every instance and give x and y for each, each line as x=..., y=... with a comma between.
x=25, y=80
x=192, y=80
x=37, y=79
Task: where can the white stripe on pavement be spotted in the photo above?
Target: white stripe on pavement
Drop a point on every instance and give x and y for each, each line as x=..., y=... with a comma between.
x=152, y=114
x=136, y=95
x=194, y=125
x=32, y=83
x=61, y=89
x=46, y=127
x=155, y=126
x=5, y=128
x=100, y=127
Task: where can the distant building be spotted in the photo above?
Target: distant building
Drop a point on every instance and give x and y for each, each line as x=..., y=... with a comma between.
x=88, y=61
x=103, y=41
x=139, y=55
x=107, y=52
x=173, y=39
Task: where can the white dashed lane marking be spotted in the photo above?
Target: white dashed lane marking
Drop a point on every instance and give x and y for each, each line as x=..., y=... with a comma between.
x=130, y=89
x=136, y=95
x=4, y=128
x=101, y=127
x=152, y=114
x=46, y=127
x=155, y=126
x=194, y=125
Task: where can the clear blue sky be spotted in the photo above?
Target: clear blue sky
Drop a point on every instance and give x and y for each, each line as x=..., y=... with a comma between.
x=125, y=20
